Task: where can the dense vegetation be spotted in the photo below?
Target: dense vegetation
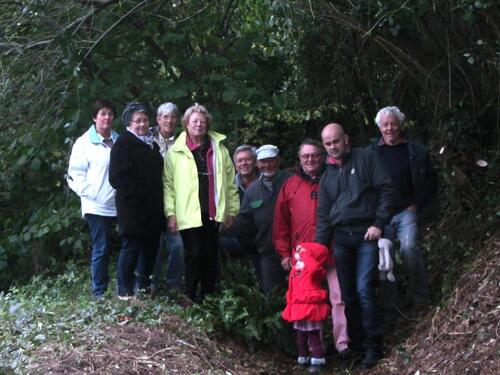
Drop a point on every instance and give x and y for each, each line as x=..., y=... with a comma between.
x=269, y=71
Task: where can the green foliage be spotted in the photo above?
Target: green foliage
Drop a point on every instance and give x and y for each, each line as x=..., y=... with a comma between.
x=269, y=71
x=59, y=311
x=241, y=310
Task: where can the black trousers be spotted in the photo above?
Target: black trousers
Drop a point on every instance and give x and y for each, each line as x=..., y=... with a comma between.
x=200, y=257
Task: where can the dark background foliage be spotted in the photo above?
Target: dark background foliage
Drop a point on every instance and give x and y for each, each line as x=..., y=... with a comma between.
x=269, y=72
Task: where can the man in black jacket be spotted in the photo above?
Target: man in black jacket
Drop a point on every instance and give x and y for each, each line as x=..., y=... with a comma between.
x=356, y=200
x=411, y=171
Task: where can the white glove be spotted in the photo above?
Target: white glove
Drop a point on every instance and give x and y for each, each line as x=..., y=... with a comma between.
x=385, y=264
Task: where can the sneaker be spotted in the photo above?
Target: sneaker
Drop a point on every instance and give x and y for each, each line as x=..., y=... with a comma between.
x=303, y=361
x=126, y=298
x=318, y=361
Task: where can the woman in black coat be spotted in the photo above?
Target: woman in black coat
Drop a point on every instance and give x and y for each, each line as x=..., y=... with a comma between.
x=135, y=172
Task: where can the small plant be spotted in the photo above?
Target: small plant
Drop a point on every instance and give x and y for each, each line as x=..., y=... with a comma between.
x=241, y=310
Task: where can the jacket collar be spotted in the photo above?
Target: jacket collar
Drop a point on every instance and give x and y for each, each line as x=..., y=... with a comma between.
x=404, y=140
x=306, y=177
x=180, y=144
x=96, y=138
x=239, y=182
x=156, y=133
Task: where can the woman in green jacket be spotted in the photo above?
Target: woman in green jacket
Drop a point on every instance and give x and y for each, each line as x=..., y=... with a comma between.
x=199, y=193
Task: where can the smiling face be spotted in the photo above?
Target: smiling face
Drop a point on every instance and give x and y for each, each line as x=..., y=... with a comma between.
x=167, y=123
x=197, y=125
x=269, y=166
x=139, y=123
x=390, y=129
x=103, y=121
x=245, y=163
x=335, y=141
x=311, y=160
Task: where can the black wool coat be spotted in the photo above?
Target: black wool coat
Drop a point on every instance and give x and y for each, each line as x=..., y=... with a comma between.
x=135, y=171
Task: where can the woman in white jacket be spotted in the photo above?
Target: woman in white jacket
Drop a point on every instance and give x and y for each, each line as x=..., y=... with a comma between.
x=88, y=177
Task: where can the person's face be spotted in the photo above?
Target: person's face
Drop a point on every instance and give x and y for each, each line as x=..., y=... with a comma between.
x=104, y=120
x=311, y=160
x=167, y=123
x=139, y=123
x=245, y=163
x=336, y=144
x=390, y=129
x=197, y=125
x=269, y=166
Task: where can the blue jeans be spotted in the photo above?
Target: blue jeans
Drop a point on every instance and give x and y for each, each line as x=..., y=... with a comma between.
x=357, y=268
x=100, y=231
x=404, y=227
x=135, y=247
x=172, y=250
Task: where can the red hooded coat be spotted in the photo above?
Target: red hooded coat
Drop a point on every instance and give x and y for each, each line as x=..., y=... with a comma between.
x=306, y=299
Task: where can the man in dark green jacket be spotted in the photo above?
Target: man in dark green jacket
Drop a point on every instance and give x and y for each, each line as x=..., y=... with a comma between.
x=356, y=200
x=255, y=218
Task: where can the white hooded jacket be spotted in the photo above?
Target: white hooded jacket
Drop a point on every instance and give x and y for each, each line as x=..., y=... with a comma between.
x=88, y=173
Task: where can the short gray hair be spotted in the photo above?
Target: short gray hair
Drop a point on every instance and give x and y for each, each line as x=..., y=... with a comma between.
x=390, y=111
x=196, y=108
x=167, y=108
x=245, y=148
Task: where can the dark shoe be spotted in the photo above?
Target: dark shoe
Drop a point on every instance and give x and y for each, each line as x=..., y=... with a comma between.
x=370, y=360
x=345, y=355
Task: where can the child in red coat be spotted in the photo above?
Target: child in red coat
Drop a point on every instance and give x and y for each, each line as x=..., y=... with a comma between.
x=306, y=299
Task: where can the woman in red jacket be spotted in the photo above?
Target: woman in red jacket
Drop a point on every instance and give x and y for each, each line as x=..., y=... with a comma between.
x=306, y=299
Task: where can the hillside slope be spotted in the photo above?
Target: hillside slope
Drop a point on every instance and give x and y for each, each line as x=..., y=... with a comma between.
x=461, y=336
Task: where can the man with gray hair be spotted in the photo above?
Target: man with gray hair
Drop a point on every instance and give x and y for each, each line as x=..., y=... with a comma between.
x=245, y=162
x=171, y=245
x=255, y=218
x=231, y=244
x=409, y=165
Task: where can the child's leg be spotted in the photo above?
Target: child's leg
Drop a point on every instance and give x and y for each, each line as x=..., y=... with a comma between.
x=315, y=344
x=302, y=343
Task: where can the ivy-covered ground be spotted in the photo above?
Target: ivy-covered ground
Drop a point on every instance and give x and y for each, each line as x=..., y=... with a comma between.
x=51, y=326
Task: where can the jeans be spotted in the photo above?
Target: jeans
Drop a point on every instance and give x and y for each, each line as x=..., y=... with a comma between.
x=404, y=227
x=356, y=261
x=136, y=249
x=172, y=250
x=100, y=231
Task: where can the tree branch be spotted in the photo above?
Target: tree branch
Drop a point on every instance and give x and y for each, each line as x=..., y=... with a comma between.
x=120, y=20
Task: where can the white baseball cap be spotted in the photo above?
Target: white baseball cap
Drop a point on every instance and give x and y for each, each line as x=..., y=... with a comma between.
x=267, y=151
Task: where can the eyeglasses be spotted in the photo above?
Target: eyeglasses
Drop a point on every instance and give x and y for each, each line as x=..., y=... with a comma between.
x=144, y=121
x=310, y=156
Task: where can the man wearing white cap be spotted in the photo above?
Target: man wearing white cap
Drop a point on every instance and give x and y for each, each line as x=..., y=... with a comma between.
x=256, y=214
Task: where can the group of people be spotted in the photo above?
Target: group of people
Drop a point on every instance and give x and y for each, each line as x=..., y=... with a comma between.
x=333, y=219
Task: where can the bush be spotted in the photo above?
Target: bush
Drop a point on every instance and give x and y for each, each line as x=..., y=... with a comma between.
x=241, y=310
